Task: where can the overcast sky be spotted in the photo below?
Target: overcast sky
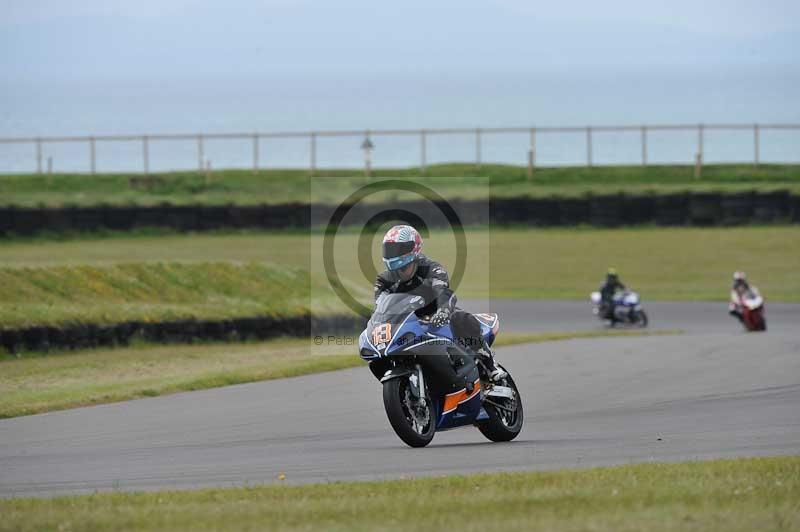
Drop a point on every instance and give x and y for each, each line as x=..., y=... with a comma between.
x=183, y=39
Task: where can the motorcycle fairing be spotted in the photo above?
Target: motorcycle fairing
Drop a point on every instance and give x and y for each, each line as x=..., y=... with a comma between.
x=490, y=324
x=460, y=408
x=366, y=350
x=625, y=301
x=626, y=298
x=369, y=351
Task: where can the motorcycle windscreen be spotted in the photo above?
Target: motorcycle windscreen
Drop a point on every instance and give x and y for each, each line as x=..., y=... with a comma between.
x=490, y=324
x=392, y=312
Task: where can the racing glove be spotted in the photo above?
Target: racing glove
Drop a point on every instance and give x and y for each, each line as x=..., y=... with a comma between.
x=441, y=317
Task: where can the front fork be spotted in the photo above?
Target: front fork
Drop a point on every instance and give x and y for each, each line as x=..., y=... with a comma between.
x=417, y=382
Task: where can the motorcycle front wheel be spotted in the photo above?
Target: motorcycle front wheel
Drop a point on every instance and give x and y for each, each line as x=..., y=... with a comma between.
x=412, y=421
x=505, y=415
x=642, y=319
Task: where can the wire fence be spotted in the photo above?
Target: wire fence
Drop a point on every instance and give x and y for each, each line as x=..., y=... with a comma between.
x=528, y=148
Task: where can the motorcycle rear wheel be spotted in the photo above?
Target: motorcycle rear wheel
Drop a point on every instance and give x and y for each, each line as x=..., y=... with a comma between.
x=502, y=425
x=403, y=421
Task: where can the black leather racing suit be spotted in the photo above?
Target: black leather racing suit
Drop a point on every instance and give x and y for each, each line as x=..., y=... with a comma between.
x=431, y=281
x=607, y=297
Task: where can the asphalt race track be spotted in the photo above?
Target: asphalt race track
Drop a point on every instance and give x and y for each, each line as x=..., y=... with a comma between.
x=710, y=393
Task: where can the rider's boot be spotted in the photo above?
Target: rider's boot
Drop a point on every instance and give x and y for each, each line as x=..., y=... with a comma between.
x=495, y=372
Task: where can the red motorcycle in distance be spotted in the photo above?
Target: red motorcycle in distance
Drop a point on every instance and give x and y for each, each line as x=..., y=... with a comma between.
x=749, y=308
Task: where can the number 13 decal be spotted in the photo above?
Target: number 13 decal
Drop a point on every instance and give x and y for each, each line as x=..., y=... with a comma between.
x=382, y=333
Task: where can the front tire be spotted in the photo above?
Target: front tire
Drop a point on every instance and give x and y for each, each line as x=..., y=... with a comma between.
x=760, y=321
x=503, y=425
x=642, y=319
x=405, y=417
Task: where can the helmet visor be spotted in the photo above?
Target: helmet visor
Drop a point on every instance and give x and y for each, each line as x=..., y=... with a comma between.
x=395, y=263
x=393, y=250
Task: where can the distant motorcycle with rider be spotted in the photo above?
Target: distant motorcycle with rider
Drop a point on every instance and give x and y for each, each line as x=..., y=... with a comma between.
x=746, y=304
x=615, y=304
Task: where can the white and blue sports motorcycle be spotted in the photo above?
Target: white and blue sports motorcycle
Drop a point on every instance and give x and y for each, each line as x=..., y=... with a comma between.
x=626, y=309
x=430, y=383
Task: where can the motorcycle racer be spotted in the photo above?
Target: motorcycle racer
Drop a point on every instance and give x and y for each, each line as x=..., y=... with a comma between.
x=607, y=290
x=407, y=270
x=741, y=291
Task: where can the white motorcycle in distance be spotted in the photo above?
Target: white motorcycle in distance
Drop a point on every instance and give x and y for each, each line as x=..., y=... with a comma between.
x=626, y=309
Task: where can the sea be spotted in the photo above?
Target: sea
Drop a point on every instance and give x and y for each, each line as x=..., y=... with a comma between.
x=364, y=104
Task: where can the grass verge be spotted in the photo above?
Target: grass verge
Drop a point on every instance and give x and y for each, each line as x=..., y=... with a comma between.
x=661, y=263
x=722, y=495
x=284, y=185
x=153, y=292
x=39, y=382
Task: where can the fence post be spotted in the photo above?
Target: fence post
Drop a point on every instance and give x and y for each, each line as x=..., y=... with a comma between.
x=313, y=154
x=92, y=157
x=644, y=145
x=255, y=153
x=208, y=172
x=367, y=164
x=49, y=170
x=698, y=160
x=477, y=149
x=200, y=154
x=756, y=146
x=698, y=166
x=700, y=139
x=423, y=166
x=532, y=153
x=530, y=164
x=146, y=155
x=39, y=156
x=589, y=146
x=367, y=146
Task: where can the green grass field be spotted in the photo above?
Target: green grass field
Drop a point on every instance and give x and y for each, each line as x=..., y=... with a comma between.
x=716, y=496
x=31, y=383
x=451, y=180
x=158, y=291
x=234, y=274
